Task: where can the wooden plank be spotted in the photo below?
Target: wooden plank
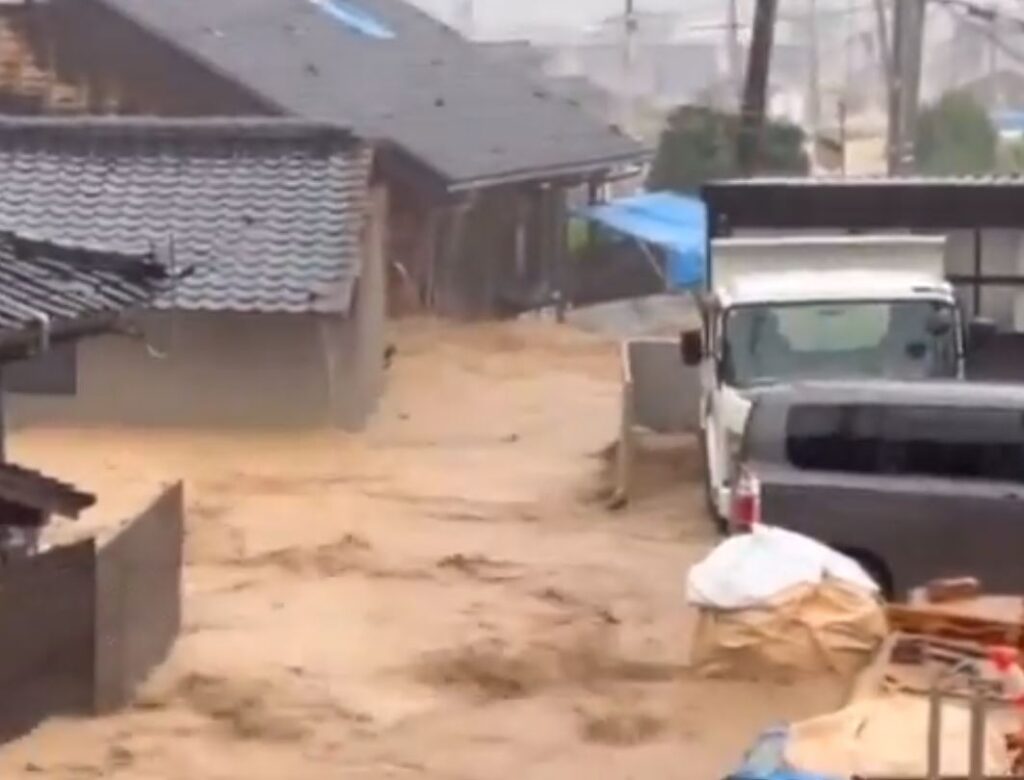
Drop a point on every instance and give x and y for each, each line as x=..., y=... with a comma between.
x=923, y=621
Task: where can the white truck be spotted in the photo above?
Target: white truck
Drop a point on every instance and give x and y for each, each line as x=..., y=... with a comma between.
x=787, y=309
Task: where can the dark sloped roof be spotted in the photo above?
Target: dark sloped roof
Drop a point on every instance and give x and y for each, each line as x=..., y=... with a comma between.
x=42, y=280
x=425, y=88
x=38, y=491
x=266, y=213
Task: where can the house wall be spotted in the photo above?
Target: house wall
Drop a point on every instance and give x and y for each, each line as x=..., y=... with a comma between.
x=196, y=369
x=225, y=369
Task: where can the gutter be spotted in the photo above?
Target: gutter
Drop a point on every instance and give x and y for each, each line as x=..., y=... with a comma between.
x=583, y=170
x=23, y=344
x=45, y=325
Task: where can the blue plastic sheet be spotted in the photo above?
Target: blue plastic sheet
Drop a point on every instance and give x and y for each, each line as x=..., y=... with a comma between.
x=676, y=223
x=1009, y=121
x=767, y=760
x=355, y=18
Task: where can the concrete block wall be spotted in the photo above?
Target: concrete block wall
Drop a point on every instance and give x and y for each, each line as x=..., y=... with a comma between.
x=138, y=600
x=81, y=626
x=47, y=617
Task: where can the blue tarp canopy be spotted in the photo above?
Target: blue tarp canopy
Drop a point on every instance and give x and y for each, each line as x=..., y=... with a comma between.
x=676, y=223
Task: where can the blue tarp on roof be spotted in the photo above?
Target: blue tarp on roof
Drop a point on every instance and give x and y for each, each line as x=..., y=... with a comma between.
x=676, y=223
x=356, y=18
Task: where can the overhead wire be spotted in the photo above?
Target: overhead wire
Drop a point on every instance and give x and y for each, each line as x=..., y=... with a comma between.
x=985, y=23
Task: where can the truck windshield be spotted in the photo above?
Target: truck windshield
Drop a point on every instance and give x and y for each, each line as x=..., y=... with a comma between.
x=767, y=343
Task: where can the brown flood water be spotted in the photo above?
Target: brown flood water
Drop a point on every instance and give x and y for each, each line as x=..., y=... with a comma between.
x=444, y=596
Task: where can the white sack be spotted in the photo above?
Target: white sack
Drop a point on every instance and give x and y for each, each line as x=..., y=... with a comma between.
x=752, y=569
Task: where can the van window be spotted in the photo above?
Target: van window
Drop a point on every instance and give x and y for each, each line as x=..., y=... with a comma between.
x=903, y=440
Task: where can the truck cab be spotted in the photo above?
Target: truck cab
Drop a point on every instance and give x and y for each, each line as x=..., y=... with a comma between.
x=786, y=310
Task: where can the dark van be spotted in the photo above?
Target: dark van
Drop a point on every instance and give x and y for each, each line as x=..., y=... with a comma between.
x=916, y=480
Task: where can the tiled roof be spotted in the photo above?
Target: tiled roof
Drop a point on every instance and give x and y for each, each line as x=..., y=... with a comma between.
x=44, y=281
x=395, y=74
x=38, y=491
x=266, y=213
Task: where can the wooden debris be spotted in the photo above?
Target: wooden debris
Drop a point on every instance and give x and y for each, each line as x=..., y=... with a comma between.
x=953, y=589
x=986, y=631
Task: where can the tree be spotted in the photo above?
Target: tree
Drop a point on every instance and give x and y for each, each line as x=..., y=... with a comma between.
x=699, y=144
x=955, y=137
x=1011, y=157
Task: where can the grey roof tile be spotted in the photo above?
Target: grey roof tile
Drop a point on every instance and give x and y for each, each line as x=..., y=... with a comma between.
x=62, y=283
x=266, y=213
x=427, y=90
x=34, y=489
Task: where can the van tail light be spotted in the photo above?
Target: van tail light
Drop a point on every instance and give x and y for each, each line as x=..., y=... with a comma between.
x=746, y=500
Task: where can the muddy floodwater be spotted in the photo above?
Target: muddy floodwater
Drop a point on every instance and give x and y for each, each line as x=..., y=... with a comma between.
x=442, y=596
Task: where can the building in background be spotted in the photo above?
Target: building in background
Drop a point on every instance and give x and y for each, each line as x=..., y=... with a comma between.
x=477, y=157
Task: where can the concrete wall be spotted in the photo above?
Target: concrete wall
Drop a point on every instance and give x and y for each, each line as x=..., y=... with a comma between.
x=46, y=624
x=138, y=600
x=82, y=625
x=223, y=369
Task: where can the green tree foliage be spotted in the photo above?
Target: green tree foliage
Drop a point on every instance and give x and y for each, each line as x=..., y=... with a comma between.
x=955, y=137
x=699, y=144
x=1011, y=157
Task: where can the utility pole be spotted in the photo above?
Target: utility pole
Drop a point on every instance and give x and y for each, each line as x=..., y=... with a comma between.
x=889, y=78
x=732, y=49
x=907, y=53
x=884, y=43
x=843, y=139
x=630, y=26
x=814, y=85
x=755, y=91
x=993, y=61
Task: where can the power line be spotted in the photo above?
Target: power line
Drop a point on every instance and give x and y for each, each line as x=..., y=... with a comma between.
x=981, y=13
x=954, y=6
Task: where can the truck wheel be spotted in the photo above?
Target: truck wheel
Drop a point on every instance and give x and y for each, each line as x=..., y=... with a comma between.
x=720, y=523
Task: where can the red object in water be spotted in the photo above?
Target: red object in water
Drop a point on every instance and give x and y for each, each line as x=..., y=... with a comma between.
x=1003, y=657
x=746, y=500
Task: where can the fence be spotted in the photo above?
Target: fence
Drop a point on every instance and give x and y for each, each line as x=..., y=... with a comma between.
x=81, y=626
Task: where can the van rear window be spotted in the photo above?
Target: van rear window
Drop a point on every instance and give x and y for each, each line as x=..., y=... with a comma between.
x=902, y=440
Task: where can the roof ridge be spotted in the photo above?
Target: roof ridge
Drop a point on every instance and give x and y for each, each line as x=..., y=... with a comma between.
x=283, y=128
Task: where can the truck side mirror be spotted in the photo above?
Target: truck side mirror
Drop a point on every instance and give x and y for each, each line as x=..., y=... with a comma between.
x=691, y=345
x=980, y=333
